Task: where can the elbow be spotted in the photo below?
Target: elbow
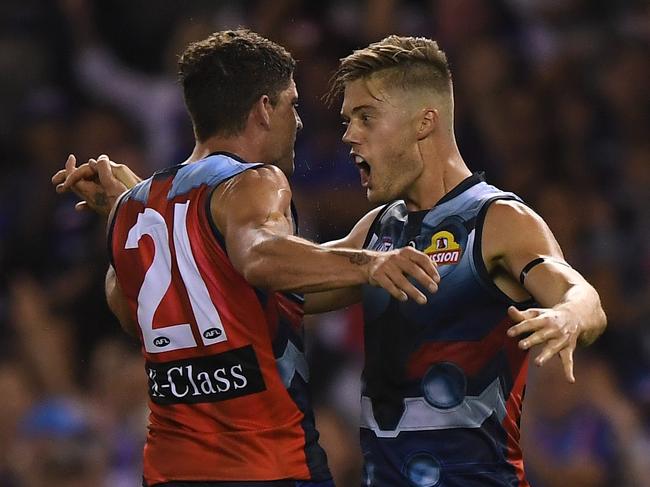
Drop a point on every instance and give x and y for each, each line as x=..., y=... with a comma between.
x=597, y=327
x=602, y=319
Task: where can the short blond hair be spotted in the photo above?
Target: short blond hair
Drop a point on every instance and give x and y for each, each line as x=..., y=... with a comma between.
x=406, y=62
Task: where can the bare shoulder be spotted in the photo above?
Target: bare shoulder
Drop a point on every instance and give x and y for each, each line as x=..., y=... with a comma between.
x=259, y=178
x=514, y=230
x=251, y=186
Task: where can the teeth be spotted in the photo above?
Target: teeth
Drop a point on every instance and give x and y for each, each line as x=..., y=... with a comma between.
x=358, y=159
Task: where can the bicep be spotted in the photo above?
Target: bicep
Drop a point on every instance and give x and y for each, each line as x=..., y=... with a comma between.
x=252, y=207
x=514, y=236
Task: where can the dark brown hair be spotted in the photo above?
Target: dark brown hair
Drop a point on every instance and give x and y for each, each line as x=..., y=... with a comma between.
x=224, y=75
x=407, y=62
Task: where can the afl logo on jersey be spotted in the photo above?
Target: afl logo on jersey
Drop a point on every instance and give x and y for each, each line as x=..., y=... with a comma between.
x=161, y=341
x=386, y=244
x=444, y=249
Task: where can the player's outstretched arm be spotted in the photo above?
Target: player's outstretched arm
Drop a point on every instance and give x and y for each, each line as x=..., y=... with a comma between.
x=518, y=241
x=252, y=211
x=325, y=301
x=98, y=182
x=118, y=304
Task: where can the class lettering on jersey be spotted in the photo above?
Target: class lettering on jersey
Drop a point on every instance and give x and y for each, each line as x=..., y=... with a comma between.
x=225, y=364
x=442, y=383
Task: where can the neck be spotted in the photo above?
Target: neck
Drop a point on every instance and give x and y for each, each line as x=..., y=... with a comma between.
x=444, y=169
x=240, y=145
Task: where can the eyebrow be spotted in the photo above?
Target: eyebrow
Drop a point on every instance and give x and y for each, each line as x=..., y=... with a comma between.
x=358, y=109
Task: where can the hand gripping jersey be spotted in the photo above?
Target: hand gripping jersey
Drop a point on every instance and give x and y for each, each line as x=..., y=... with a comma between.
x=225, y=363
x=442, y=383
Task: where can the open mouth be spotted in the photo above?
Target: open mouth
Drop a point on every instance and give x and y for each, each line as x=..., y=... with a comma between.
x=364, y=169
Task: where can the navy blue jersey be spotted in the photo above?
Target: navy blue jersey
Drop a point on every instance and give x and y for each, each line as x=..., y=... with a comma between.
x=442, y=383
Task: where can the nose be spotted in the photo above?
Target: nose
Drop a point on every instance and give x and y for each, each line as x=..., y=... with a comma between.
x=298, y=122
x=347, y=135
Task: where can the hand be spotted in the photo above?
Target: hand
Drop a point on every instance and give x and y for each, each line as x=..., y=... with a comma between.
x=389, y=270
x=548, y=326
x=98, y=182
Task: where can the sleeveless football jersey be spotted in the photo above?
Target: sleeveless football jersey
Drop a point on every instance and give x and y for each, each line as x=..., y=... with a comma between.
x=225, y=364
x=442, y=383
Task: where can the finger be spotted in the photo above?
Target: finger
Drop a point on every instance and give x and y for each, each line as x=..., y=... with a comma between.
x=528, y=325
x=552, y=348
x=389, y=286
x=517, y=315
x=125, y=175
x=405, y=286
x=543, y=335
x=70, y=163
x=59, y=177
x=424, y=262
x=81, y=206
x=85, y=171
x=566, y=356
x=106, y=177
x=416, y=272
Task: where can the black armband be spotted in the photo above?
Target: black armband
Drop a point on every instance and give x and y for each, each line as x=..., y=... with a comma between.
x=528, y=267
x=535, y=262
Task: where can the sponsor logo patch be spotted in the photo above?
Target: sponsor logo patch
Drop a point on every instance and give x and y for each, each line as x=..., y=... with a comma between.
x=227, y=375
x=444, y=249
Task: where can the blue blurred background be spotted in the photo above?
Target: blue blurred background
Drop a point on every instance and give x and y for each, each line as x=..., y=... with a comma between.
x=552, y=102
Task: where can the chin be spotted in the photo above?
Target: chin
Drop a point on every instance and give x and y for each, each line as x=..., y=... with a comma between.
x=375, y=197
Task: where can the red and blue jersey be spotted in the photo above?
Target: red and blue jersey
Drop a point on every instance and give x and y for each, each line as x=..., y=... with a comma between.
x=442, y=383
x=225, y=364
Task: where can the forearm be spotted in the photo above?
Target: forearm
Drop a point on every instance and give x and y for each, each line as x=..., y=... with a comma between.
x=582, y=301
x=288, y=263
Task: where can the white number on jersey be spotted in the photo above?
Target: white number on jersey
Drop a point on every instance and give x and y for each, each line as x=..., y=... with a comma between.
x=158, y=279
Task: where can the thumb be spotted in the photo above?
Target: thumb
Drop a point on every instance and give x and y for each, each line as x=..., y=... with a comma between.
x=566, y=356
x=526, y=314
x=515, y=314
x=105, y=173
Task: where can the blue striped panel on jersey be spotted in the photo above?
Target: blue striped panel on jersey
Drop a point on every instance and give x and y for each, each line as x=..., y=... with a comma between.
x=465, y=205
x=140, y=191
x=210, y=171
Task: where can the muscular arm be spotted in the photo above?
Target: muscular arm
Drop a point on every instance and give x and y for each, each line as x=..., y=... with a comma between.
x=571, y=311
x=252, y=212
x=118, y=304
x=340, y=298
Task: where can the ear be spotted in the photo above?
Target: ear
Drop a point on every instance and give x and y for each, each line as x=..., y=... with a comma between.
x=427, y=123
x=260, y=114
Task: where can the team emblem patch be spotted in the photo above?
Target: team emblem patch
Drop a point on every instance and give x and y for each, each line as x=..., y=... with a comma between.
x=444, y=249
x=386, y=244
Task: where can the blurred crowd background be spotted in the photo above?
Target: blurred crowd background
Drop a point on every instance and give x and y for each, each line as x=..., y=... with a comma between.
x=552, y=102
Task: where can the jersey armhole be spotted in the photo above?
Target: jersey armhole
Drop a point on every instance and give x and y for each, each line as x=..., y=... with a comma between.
x=374, y=223
x=208, y=213
x=110, y=225
x=479, y=264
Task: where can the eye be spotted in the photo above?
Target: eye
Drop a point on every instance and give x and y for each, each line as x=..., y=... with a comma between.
x=365, y=119
x=345, y=123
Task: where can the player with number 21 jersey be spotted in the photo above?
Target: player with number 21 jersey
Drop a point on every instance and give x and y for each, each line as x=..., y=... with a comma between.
x=224, y=360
